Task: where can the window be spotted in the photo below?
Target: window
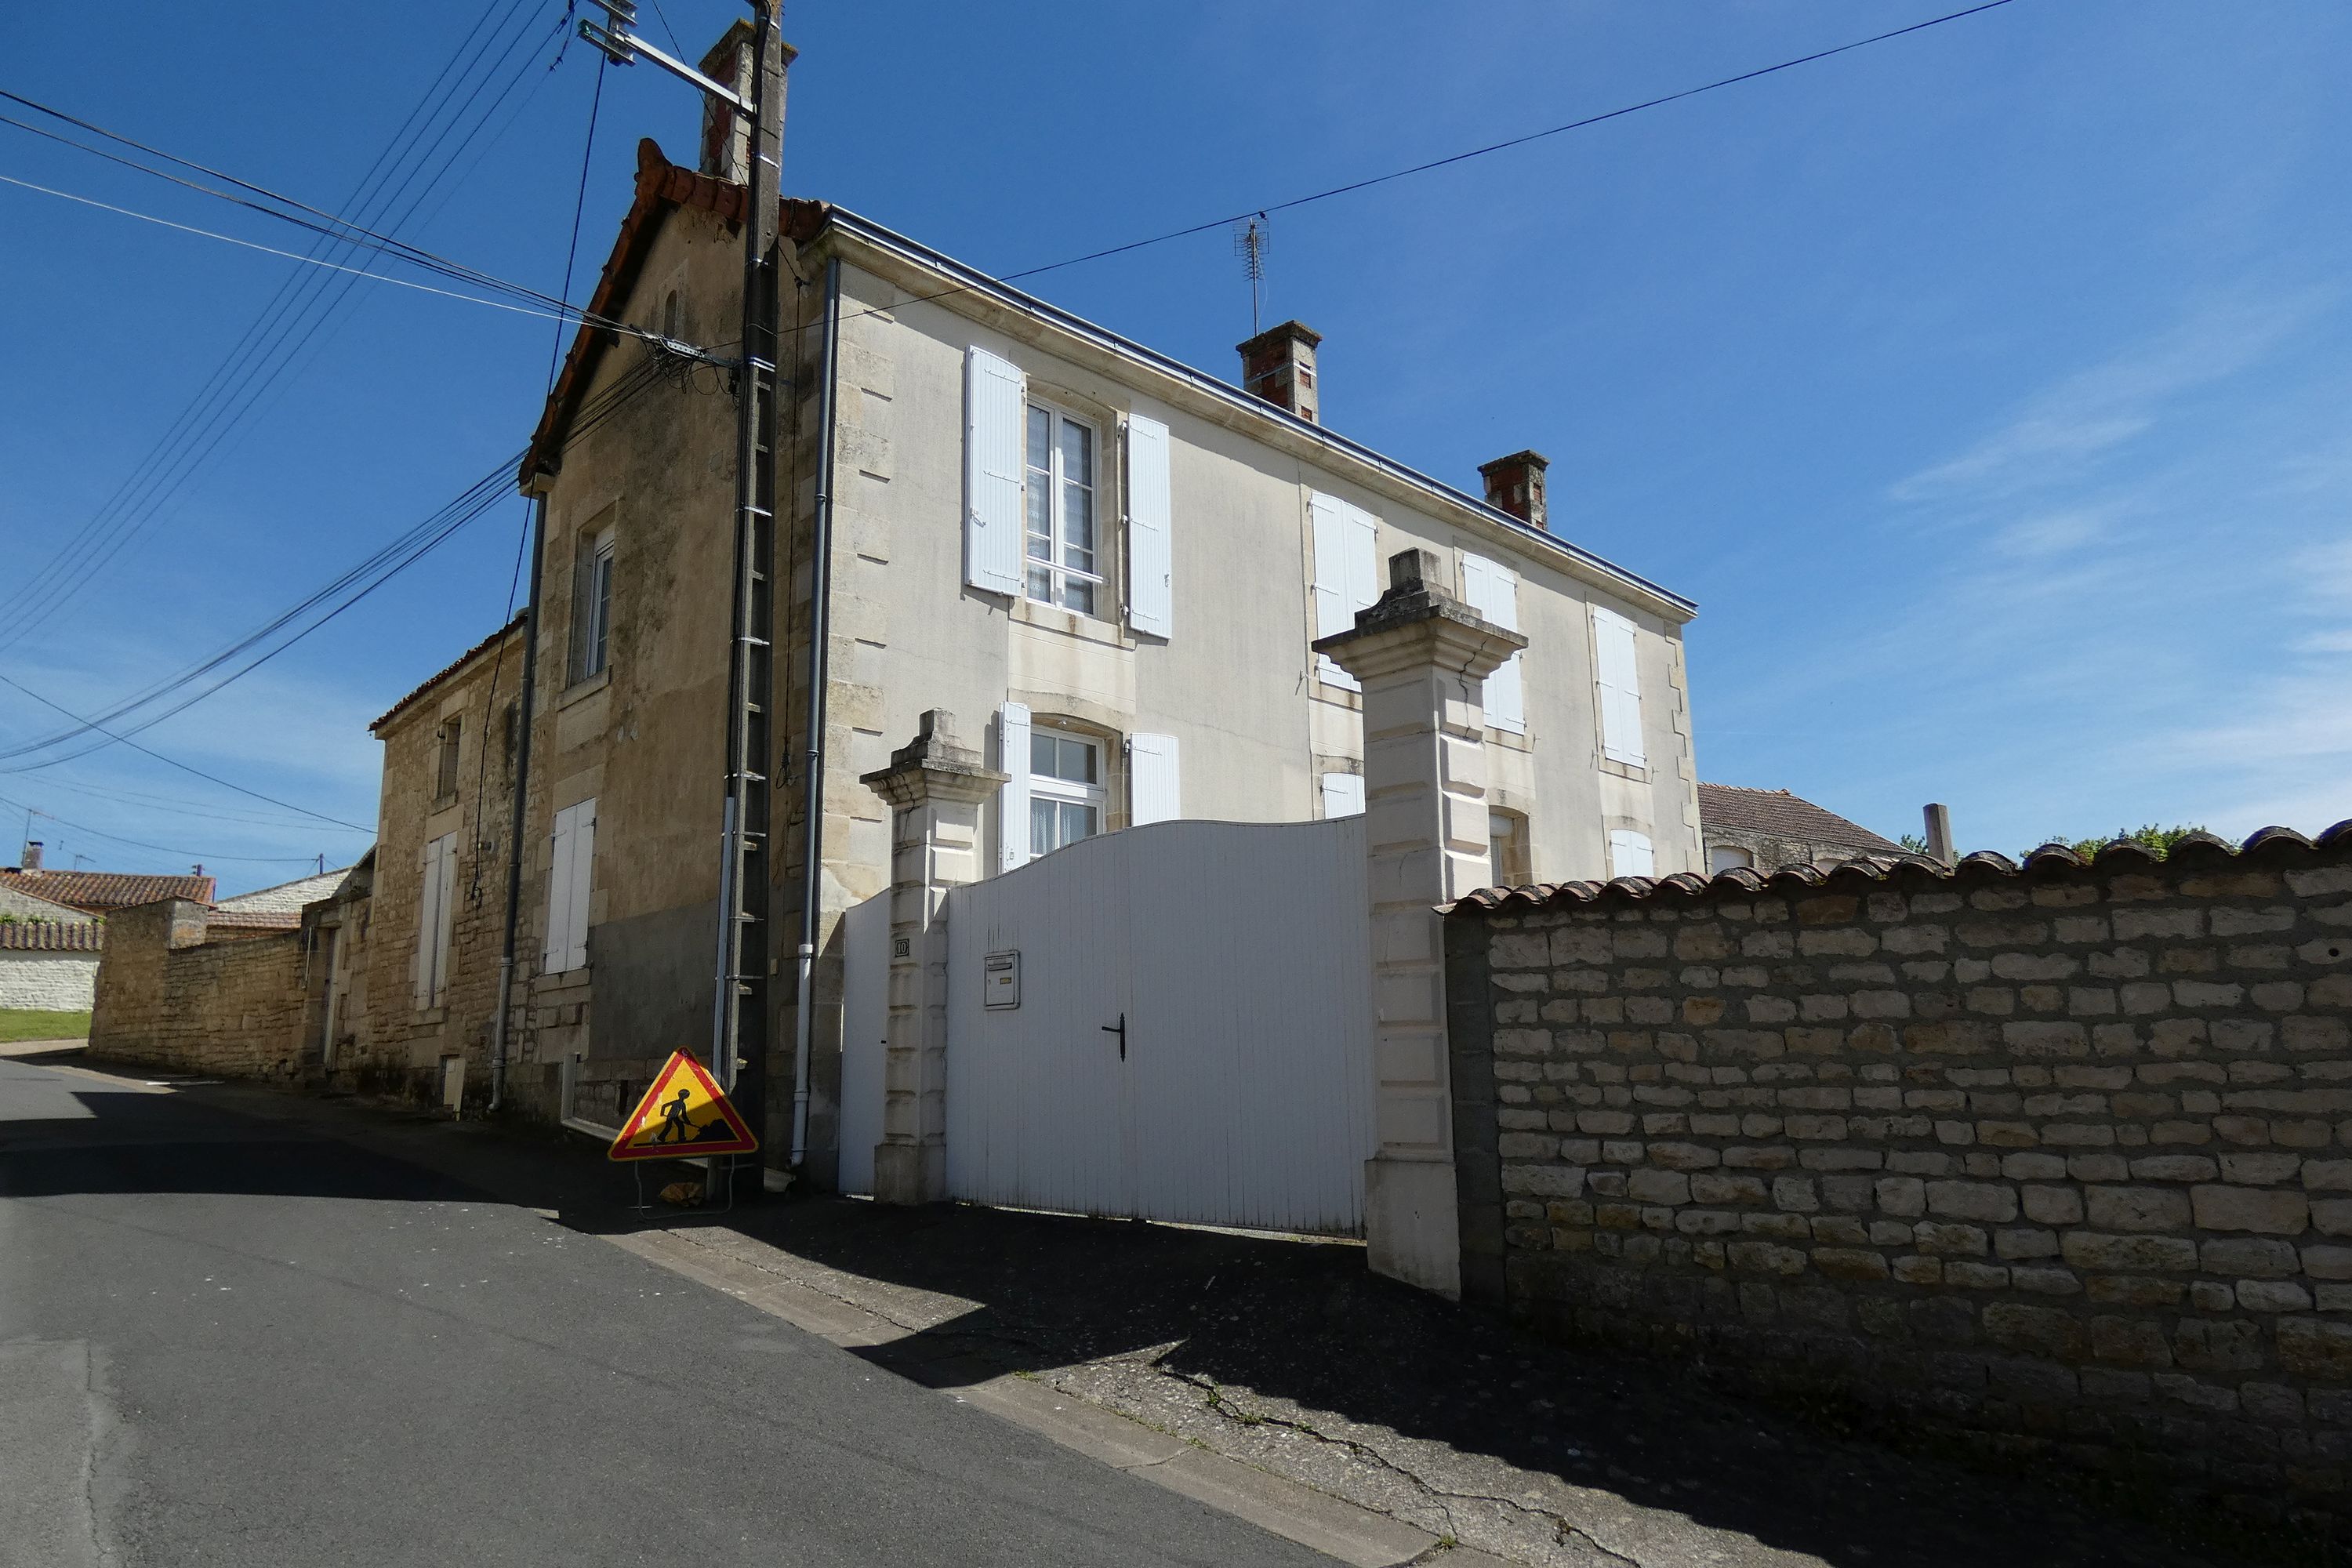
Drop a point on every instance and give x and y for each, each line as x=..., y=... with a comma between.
x=1060, y=508
x=1507, y=842
x=1343, y=795
x=1066, y=789
x=1618, y=682
x=570, y=868
x=1347, y=574
x=1722, y=858
x=673, y=324
x=445, y=785
x=591, y=616
x=438, y=886
x=1493, y=591
x=1629, y=854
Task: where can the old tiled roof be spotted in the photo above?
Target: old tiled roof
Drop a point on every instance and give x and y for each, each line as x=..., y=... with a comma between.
x=287, y=896
x=2267, y=845
x=1776, y=813
x=51, y=936
x=443, y=673
x=223, y=918
x=98, y=891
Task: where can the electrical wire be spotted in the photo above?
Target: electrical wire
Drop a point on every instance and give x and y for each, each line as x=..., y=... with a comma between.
x=194, y=854
x=288, y=324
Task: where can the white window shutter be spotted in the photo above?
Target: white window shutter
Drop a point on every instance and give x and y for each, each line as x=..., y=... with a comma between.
x=1151, y=541
x=1617, y=677
x=428, y=905
x=555, y=941
x=583, y=862
x=447, y=933
x=1629, y=854
x=1493, y=591
x=997, y=396
x=1152, y=783
x=1343, y=795
x=1012, y=800
x=1347, y=574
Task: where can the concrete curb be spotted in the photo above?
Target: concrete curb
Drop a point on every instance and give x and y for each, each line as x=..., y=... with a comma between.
x=1340, y=1530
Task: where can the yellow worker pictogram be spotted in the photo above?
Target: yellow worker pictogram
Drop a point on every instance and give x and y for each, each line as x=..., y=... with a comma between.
x=685, y=1114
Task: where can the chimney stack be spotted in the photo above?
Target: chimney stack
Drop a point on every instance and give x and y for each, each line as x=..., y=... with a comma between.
x=1516, y=484
x=32, y=855
x=1939, y=833
x=1278, y=364
x=727, y=138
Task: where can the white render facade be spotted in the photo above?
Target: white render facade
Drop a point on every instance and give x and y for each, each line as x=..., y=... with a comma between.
x=1228, y=536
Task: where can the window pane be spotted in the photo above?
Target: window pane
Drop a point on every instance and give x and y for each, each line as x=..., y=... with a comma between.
x=1041, y=584
x=1042, y=818
x=1077, y=528
x=1077, y=454
x=1042, y=754
x=1041, y=439
x=1079, y=594
x=1077, y=761
x=1077, y=821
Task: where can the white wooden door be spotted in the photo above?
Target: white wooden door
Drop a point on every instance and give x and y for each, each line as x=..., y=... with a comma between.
x=864, y=1024
x=1236, y=956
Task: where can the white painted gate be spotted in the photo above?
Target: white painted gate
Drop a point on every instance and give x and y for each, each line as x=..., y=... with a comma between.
x=1235, y=956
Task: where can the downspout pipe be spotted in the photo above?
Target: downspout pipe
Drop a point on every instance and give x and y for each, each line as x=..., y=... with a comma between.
x=522, y=799
x=813, y=766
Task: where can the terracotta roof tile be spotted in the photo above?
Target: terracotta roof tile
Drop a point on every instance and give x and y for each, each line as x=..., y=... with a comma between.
x=51, y=936
x=447, y=670
x=1732, y=808
x=218, y=919
x=98, y=891
x=2267, y=845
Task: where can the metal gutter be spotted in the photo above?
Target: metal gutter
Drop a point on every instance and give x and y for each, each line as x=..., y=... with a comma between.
x=968, y=280
x=812, y=767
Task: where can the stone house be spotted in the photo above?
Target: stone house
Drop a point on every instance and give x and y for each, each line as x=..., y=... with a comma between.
x=1768, y=829
x=47, y=965
x=1109, y=564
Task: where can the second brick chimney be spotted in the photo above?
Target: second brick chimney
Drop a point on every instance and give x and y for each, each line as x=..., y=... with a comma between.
x=1278, y=364
x=1516, y=484
x=726, y=135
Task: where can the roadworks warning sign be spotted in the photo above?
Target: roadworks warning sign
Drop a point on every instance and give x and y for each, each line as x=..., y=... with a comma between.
x=685, y=1115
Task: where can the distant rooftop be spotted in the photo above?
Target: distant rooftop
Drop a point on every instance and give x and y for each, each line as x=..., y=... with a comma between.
x=1776, y=813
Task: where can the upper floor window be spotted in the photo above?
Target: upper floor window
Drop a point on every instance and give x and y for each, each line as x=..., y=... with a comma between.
x=1507, y=842
x=1062, y=568
x=592, y=625
x=445, y=777
x=1066, y=789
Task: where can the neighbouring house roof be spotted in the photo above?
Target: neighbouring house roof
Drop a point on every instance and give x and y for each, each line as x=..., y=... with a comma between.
x=287, y=897
x=1776, y=813
x=51, y=936
x=95, y=892
x=220, y=918
x=663, y=186
x=2265, y=846
x=451, y=668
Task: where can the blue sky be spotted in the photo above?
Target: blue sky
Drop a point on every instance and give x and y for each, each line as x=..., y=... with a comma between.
x=1987, y=388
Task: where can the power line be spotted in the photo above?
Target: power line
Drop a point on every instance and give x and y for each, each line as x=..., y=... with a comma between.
x=194, y=854
x=1423, y=168
x=285, y=328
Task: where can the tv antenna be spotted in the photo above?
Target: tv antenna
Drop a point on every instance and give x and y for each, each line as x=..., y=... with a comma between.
x=1253, y=237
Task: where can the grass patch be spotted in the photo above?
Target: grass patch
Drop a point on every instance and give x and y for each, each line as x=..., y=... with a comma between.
x=33, y=1024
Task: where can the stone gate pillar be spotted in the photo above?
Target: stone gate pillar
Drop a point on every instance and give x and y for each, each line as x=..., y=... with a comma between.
x=1422, y=657
x=935, y=788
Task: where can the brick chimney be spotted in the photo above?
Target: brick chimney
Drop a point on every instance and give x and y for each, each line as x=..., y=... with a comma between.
x=1278, y=364
x=32, y=855
x=726, y=139
x=1516, y=484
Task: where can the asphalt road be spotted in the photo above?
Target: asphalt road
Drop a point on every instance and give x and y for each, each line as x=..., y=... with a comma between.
x=225, y=1340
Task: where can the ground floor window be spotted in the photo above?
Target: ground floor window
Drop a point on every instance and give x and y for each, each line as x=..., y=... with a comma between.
x=1722, y=858
x=1066, y=789
x=1506, y=840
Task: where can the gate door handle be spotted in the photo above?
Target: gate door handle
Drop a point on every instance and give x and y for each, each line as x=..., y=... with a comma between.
x=1120, y=1029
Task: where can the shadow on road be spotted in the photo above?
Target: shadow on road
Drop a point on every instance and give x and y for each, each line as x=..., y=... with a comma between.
x=1301, y=1326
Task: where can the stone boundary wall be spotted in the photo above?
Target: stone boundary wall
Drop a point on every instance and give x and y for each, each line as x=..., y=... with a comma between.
x=169, y=998
x=2056, y=1159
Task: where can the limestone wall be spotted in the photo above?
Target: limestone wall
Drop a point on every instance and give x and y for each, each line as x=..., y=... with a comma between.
x=48, y=982
x=2055, y=1160
x=168, y=998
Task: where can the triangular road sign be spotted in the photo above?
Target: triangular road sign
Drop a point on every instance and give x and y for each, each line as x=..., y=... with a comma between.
x=684, y=1116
